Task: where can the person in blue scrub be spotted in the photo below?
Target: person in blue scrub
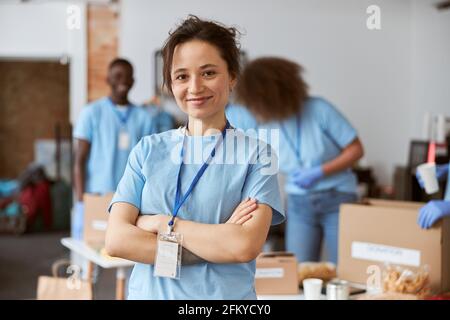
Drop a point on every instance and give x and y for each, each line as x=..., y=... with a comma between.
x=106, y=131
x=222, y=207
x=317, y=147
x=163, y=120
x=240, y=117
x=435, y=210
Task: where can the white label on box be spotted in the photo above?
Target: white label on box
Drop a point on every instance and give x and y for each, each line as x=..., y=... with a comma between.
x=382, y=253
x=99, y=225
x=269, y=273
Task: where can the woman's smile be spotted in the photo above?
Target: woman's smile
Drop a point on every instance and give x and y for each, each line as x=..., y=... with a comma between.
x=199, y=101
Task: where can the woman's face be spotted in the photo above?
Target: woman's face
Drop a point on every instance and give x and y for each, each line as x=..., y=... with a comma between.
x=201, y=83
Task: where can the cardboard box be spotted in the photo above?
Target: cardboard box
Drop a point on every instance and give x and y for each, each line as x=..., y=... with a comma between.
x=382, y=232
x=96, y=219
x=276, y=273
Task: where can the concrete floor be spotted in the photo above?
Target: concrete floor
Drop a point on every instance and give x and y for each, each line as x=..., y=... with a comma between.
x=24, y=258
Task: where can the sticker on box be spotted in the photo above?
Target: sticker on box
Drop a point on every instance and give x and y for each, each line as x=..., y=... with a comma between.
x=269, y=273
x=383, y=253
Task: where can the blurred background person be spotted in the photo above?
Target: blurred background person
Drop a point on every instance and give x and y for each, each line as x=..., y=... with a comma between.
x=106, y=131
x=317, y=148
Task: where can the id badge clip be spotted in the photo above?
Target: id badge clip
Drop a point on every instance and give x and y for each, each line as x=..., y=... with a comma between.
x=168, y=255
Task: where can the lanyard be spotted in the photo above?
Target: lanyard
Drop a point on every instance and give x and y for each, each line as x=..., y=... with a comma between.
x=295, y=148
x=179, y=199
x=123, y=118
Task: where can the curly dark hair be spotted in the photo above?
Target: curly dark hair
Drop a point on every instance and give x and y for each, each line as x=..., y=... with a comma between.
x=193, y=28
x=272, y=88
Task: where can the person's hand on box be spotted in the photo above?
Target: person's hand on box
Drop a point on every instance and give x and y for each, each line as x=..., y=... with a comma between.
x=305, y=178
x=432, y=212
x=441, y=173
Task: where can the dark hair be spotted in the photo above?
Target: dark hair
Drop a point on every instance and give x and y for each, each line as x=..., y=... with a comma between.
x=272, y=88
x=216, y=34
x=120, y=61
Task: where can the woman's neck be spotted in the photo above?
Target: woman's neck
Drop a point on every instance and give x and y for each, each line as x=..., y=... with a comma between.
x=206, y=127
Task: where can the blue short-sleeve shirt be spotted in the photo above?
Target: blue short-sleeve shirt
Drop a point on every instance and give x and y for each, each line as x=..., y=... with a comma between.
x=324, y=133
x=100, y=124
x=149, y=183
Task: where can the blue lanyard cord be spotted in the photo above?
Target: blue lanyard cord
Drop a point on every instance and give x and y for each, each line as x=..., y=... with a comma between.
x=122, y=118
x=179, y=199
x=295, y=148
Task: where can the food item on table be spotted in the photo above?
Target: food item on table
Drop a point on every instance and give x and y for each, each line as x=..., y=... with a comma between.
x=319, y=270
x=401, y=280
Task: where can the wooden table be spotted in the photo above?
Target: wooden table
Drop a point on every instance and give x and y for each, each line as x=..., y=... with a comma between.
x=81, y=248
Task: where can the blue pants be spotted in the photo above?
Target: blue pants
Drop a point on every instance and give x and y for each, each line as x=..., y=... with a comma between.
x=311, y=218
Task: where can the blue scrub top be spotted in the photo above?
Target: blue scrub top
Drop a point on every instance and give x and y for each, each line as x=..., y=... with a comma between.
x=100, y=124
x=163, y=120
x=240, y=117
x=149, y=184
x=324, y=133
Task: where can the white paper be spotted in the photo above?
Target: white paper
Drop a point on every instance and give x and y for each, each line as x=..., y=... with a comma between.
x=167, y=259
x=382, y=253
x=269, y=273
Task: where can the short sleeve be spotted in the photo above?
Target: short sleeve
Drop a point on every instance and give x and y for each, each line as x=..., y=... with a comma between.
x=84, y=126
x=130, y=186
x=334, y=124
x=261, y=182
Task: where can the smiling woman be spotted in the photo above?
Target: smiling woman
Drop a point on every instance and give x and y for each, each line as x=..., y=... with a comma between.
x=201, y=82
x=222, y=211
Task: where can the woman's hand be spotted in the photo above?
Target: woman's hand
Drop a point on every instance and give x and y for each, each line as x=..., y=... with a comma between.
x=243, y=211
x=152, y=222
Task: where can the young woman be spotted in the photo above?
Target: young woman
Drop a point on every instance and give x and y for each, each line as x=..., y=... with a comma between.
x=317, y=147
x=219, y=225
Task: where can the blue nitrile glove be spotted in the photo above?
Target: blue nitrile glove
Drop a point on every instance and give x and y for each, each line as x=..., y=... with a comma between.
x=432, y=212
x=306, y=177
x=78, y=220
x=441, y=173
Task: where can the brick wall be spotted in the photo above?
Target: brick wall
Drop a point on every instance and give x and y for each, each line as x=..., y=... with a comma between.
x=102, y=47
x=34, y=98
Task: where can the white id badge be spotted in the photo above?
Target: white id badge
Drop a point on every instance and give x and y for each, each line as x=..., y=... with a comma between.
x=168, y=255
x=124, y=140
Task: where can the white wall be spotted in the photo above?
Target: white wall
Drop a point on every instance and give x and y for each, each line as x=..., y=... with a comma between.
x=367, y=74
x=431, y=62
x=383, y=81
x=39, y=31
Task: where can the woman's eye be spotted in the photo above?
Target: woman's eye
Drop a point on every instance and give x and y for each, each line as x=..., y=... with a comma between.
x=209, y=73
x=181, y=77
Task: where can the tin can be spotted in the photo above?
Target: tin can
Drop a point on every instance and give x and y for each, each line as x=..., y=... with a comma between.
x=337, y=290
